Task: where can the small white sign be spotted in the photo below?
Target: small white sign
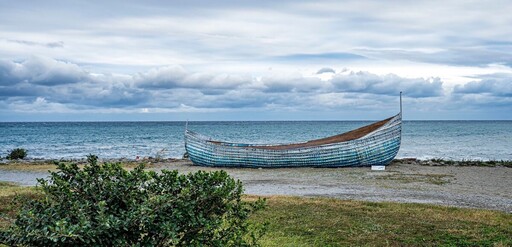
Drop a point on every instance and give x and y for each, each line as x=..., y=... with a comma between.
x=378, y=168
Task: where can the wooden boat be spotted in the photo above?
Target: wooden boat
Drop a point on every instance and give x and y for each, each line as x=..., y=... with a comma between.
x=374, y=144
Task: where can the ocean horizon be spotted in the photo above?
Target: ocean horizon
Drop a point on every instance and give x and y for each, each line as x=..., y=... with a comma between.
x=422, y=139
x=292, y=120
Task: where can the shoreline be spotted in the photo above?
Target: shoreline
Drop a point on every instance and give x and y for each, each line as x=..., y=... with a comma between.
x=153, y=160
x=449, y=183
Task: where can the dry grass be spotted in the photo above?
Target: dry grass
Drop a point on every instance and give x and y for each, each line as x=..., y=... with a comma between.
x=37, y=166
x=10, y=189
x=8, y=192
x=438, y=179
x=48, y=165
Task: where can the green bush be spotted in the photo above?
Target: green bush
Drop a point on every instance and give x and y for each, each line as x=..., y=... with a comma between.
x=105, y=205
x=17, y=153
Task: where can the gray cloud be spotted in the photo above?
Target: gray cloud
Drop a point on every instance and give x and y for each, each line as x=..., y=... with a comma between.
x=308, y=57
x=106, y=95
x=289, y=30
x=468, y=56
x=390, y=84
x=57, y=44
x=66, y=83
x=496, y=84
x=279, y=83
x=177, y=77
x=41, y=71
x=22, y=89
x=37, y=84
x=325, y=70
x=226, y=48
x=7, y=76
x=237, y=99
x=164, y=77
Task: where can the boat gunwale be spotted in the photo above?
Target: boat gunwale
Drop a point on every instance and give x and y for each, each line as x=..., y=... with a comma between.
x=302, y=145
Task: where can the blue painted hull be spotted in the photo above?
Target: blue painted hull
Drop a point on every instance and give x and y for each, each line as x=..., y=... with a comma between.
x=376, y=148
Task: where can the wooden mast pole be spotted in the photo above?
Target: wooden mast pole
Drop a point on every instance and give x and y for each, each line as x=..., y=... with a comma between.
x=400, y=102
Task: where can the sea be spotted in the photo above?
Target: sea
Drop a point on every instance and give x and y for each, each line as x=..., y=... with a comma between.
x=455, y=140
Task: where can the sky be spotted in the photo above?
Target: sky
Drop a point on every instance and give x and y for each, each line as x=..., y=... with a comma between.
x=254, y=60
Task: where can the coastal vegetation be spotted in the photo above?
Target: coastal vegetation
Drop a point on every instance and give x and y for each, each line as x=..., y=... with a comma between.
x=446, y=162
x=106, y=205
x=17, y=153
x=486, y=163
x=298, y=221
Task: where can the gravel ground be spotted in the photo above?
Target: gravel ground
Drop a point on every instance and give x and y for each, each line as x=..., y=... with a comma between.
x=461, y=186
x=402, y=181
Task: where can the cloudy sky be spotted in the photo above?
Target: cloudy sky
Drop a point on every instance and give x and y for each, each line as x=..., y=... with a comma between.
x=254, y=60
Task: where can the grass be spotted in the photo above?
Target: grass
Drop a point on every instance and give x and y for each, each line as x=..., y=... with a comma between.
x=299, y=221
x=295, y=221
x=437, y=179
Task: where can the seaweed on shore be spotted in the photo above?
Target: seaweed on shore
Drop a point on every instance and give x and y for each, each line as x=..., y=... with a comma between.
x=443, y=162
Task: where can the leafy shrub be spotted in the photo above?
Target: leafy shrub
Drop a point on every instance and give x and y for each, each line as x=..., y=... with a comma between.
x=17, y=153
x=105, y=205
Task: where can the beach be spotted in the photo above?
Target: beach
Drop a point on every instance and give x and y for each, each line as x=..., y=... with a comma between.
x=404, y=180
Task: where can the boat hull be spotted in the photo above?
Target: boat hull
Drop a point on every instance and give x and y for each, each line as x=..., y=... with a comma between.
x=376, y=148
